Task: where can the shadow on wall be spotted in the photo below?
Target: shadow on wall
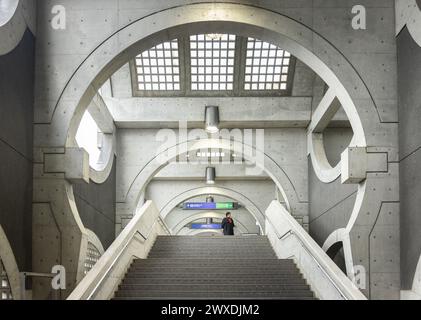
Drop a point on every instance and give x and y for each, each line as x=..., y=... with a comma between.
x=336, y=253
x=16, y=147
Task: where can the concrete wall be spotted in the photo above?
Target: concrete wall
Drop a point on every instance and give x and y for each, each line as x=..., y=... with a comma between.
x=96, y=206
x=16, y=147
x=409, y=63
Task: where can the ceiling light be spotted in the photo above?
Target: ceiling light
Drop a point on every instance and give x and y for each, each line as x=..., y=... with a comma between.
x=210, y=175
x=212, y=119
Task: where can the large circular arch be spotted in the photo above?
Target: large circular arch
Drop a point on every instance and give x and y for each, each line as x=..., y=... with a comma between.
x=220, y=191
x=303, y=42
x=141, y=34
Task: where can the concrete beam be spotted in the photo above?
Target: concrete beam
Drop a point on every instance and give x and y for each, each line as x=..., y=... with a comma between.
x=324, y=113
x=186, y=171
x=353, y=165
x=99, y=112
x=357, y=162
x=234, y=112
x=74, y=164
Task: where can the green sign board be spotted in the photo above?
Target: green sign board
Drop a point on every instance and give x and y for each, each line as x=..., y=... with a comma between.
x=225, y=206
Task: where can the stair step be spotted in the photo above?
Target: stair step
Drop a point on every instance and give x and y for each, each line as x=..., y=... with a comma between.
x=157, y=275
x=215, y=260
x=182, y=267
x=193, y=281
x=215, y=287
x=213, y=294
x=206, y=297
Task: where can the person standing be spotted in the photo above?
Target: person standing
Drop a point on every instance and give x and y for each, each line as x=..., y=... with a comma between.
x=228, y=225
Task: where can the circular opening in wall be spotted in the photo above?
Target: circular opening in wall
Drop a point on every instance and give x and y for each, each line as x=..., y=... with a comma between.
x=7, y=10
x=87, y=138
x=336, y=253
x=335, y=141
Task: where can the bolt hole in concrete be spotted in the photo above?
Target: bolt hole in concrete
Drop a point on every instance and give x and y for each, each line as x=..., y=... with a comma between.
x=7, y=10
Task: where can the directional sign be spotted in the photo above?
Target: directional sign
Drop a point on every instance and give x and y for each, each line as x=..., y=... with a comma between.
x=210, y=206
x=216, y=226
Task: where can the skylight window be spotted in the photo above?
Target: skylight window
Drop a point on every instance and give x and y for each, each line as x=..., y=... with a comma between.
x=267, y=66
x=158, y=69
x=212, y=62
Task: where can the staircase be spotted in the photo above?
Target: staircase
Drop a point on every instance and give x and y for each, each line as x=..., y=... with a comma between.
x=213, y=267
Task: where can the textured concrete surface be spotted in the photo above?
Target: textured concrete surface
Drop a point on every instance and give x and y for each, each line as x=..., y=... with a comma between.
x=409, y=54
x=359, y=66
x=16, y=143
x=96, y=206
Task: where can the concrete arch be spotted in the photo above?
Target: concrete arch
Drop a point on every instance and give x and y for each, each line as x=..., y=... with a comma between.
x=20, y=15
x=248, y=204
x=275, y=172
x=144, y=32
x=326, y=60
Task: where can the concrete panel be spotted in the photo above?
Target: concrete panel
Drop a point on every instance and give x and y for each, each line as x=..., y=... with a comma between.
x=234, y=112
x=16, y=147
x=96, y=206
x=409, y=72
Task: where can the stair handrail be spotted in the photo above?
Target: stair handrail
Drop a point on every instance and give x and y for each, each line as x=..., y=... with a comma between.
x=94, y=279
x=346, y=288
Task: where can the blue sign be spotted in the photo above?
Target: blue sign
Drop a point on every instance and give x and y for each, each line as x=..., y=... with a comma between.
x=199, y=206
x=210, y=206
x=206, y=226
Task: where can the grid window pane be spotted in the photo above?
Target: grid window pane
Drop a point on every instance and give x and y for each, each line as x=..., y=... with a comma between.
x=158, y=68
x=267, y=66
x=212, y=60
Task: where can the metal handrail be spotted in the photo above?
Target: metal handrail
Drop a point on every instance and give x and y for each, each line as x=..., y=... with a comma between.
x=316, y=260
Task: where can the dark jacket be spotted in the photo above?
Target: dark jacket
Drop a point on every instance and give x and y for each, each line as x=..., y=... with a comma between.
x=228, y=226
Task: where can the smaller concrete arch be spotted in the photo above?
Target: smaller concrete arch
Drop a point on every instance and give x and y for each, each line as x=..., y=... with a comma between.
x=229, y=193
x=268, y=165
